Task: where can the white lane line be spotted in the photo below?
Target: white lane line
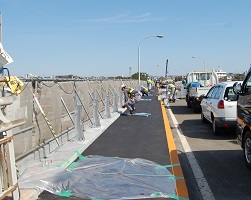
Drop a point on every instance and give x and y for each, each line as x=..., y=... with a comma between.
x=199, y=176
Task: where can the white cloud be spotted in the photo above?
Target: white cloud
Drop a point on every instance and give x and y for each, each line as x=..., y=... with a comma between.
x=125, y=18
x=227, y=25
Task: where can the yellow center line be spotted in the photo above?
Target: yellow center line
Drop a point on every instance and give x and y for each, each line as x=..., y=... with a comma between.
x=181, y=188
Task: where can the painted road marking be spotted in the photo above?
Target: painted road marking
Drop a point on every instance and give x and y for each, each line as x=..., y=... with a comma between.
x=181, y=188
x=199, y=176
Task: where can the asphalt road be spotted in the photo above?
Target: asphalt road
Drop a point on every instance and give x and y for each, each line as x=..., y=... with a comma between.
x=219, y=158
x=132, y=137
x=218, y=170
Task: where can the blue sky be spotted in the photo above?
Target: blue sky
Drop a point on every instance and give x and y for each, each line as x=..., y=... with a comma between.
x=101, y=37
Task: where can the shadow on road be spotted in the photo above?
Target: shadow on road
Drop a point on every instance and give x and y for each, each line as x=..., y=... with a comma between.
x=194, y=128
x=182, y=110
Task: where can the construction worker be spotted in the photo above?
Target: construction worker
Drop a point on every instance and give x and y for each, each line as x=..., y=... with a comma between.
x=144, y=91
x=172, y=87
x=148, y=82
x=131, y=97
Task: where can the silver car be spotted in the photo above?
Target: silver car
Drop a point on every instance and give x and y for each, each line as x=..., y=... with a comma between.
x=219, y=106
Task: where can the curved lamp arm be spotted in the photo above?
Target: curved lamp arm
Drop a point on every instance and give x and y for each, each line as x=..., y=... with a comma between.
x=159, y=36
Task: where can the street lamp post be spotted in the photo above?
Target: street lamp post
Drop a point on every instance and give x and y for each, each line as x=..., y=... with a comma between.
x=203, y=60
x=130, y=72
x=159, y=36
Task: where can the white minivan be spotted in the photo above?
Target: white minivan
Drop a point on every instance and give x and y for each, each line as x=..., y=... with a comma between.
x=219, y=106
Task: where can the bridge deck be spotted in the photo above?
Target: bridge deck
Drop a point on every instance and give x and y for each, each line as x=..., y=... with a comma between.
x=138, y=137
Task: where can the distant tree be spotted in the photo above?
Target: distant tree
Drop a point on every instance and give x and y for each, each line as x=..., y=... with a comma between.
x=66, y=76
x=238, y=77
x=119, y=77
x=223, y=79
x=135, y=76
x=143, y=76
x=178, y=78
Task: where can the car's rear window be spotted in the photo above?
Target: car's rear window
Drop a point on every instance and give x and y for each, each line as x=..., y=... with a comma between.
x=229, y=94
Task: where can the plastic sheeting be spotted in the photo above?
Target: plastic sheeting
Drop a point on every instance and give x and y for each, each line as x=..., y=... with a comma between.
x=97, y=177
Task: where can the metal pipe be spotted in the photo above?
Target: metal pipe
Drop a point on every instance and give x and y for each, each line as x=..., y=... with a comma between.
x=62, y=100
x=41, y=145
x=23, y=130
x=83, y=106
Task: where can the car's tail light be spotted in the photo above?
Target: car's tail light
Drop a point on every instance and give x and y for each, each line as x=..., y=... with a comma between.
x=199, y=99
x=221, y=104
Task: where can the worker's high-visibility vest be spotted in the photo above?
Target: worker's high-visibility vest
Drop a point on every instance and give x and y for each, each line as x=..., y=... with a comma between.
x=131, y=91
x=171, y=85
x=144, y=88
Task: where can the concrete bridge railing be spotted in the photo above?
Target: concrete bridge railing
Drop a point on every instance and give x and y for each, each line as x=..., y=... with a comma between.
x=55, y=108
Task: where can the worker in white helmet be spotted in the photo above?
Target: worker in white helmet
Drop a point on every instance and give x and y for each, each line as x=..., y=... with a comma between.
x=172, y=87
x=131, y=97
x=148, y=82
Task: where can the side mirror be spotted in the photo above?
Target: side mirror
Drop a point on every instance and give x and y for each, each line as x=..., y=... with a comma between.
x=237, y=87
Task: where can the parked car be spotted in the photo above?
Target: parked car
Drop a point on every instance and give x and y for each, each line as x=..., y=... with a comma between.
x=243, y=128
x=219, y=107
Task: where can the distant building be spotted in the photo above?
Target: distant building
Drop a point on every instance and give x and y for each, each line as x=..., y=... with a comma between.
x=30, y=76
x=221, y=74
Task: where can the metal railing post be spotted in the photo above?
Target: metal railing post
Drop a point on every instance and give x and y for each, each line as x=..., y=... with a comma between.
x=92, y=95
x=95, y=111
x=120, y=99
x=107, y=106
x=115, y=101
x=79, y=126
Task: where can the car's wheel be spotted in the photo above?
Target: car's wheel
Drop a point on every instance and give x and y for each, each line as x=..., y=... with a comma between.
x=216, y=129
x=194, y=108
x=247, y=149
x=203, y=119
x=189, y=105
